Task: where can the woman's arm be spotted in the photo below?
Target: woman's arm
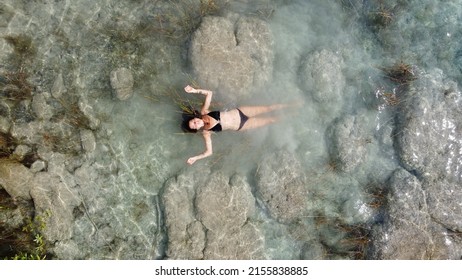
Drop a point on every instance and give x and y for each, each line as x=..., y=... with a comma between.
x=208, y=148
x=208, y=97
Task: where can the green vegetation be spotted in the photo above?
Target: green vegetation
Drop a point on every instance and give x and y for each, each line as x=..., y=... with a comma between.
x=37, y=250
x=25, y=242
x=21, y=240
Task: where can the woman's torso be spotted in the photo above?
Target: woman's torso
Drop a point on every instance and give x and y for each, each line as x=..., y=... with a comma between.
x=229, y=120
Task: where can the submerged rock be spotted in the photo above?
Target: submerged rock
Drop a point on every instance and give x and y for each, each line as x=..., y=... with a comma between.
x=408, y=232
x=21, y=152
x=16, y=179
x=186, y=235
x=321, y=75
x=225, y=209
x=88, y=140
x=281, y=187
x=87, y=107
x=58, y=88
x=245, y=243
x=313, y=251
x=68, y=250
x=54, y=202
x=429, y=143
x=222, y=206
x=41, y=108
x=429, y=129
x=4, y=124
x=214, y=222
x=232, y=55
x=122, y=83
x=349, y=139
x=444, y=202
x=38, y=166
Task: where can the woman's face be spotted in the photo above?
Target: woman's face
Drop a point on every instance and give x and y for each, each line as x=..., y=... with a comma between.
x=196, y=123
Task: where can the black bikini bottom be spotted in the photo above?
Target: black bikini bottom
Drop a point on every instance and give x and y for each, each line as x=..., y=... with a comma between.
x=244, y=118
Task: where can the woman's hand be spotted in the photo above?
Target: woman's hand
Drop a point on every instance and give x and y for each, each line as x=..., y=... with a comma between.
x=191, y=160
x=190, y=89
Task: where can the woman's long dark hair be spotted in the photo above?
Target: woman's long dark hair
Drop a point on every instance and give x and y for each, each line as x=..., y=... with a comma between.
x=186, y=117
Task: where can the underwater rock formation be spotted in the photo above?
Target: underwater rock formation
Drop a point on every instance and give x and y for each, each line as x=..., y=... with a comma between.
x=281, y=187
x=226, y=208
x=408, y=232
x=58, y=88
x=232, y=54
x=218, y=225
x=321, y=71
x=51, y=195
x=16, y=179
x=186, y=235
x=349, y=138
x=41, y=108
x=122, y=83
x=428, y=140
x=217, y=193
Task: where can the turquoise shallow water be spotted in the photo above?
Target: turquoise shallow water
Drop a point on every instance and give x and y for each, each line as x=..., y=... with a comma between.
x=139, y=144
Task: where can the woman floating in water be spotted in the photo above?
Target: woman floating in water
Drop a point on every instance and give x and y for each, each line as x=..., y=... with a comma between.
x=239, y=119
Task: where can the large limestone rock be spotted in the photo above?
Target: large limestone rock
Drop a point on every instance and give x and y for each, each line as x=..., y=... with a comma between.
x=429, y=142
x=16, y=179
x=429, y=136
x=321, y=75
x=212, y=219
x=408, y=231
x=246, y=243
x=55, y=197
x=348, y=142
x=281, y=187
x=225, y=209
x=444, y=201
x=222, y=206
x=54, y=201
x=232, y=55
x=186, y=235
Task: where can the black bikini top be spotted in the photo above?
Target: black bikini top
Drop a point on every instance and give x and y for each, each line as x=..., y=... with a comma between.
x=216, y=116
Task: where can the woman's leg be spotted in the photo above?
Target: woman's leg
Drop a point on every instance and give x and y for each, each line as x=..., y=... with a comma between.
x=252, y=111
